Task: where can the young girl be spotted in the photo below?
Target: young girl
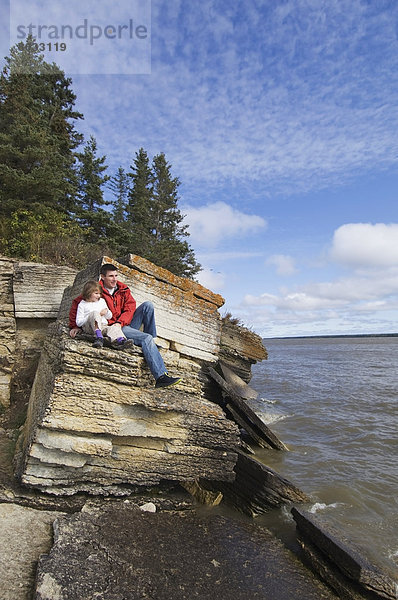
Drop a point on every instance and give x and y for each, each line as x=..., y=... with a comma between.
x=92, y=314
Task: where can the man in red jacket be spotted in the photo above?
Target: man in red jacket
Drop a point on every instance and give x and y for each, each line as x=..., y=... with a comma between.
x=121, y=303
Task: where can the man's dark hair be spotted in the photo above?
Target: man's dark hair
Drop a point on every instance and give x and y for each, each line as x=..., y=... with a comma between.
x=106, y=268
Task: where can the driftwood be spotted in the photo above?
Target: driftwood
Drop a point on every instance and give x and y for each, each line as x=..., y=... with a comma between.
x=257, y=488
x=247, y=417
x=341, y=564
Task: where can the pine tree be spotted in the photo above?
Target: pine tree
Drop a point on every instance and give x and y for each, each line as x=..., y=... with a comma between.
x=37, y=134
x=139, y=207
x=90, y=198
x=119, y=185
x=169, y=249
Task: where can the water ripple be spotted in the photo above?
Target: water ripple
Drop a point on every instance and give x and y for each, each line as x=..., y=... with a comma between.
x=335, y=406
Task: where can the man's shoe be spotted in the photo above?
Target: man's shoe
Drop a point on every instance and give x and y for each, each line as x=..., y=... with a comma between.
x=166, y=381
x=99, y=342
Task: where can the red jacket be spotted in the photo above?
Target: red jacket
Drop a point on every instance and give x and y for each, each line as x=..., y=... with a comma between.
x=121, y=304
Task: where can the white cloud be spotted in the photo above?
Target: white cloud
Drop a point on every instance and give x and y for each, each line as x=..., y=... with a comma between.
x=293, y=301
x=212, y=223
x=308, y=311
x=290, y=101
x=212, y=280
x=365, y=300
x=366, y=245
x=375, y=288
x=285, y=265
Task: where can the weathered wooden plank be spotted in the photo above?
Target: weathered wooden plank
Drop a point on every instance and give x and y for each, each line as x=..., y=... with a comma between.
x=262, y=429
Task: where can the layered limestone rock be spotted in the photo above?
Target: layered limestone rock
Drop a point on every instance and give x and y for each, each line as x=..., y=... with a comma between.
x=240, y=348
x=96, y=423
x=7, y=329
x=30, y=295
x=187, y=315
x=38, y=289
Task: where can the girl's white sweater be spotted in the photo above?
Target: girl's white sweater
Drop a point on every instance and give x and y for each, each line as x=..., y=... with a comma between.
x=84, y=308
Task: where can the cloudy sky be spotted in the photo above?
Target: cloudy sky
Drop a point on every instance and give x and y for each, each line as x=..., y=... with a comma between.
x=280, y=119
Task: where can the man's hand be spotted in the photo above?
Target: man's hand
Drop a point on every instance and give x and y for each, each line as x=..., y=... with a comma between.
x=73, y=332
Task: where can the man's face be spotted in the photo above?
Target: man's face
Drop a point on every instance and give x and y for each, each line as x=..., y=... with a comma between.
x=109, y=279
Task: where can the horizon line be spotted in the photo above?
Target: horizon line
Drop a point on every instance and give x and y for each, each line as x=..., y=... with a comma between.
x=331, y=335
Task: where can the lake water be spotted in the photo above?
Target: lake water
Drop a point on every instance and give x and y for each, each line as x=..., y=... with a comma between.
x=333, y=402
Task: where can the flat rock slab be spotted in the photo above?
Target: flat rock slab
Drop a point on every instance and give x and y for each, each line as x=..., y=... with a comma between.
x=25, y=533
x=341, y=563
x=257, y=488
x=246, y=416
x=118, y=552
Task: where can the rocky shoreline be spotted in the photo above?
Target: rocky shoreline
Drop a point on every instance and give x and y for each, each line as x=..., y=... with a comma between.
x=101, y=484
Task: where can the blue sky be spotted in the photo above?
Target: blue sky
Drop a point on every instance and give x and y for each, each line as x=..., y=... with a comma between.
x=280, y=119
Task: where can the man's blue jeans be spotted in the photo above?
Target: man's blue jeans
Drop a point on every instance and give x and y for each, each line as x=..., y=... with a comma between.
x=145, y=315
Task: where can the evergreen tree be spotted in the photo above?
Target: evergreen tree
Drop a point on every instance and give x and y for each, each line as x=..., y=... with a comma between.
x=119, y=185
x=44, y=194
x=139, y=207
x=169, y=249
x=90, y=198
x=37, y=134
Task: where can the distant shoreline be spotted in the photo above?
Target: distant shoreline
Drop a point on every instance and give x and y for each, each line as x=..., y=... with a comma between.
x=335, y=335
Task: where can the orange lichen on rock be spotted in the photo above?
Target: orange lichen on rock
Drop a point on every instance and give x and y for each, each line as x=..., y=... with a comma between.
x=186, y=285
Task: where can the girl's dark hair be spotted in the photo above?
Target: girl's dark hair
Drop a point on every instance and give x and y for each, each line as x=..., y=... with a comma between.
x=90, y=287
